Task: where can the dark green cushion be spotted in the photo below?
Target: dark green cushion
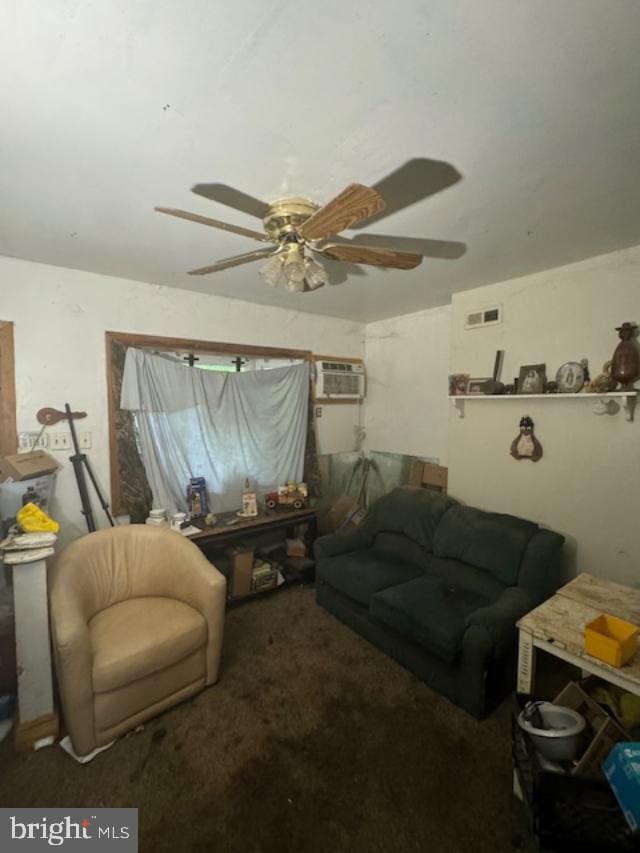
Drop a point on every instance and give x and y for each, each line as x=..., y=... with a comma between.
x=362, y=573
x=432, y=612
x=395, y=546
x=412, y=512
x=488, y=540
x=476, y=581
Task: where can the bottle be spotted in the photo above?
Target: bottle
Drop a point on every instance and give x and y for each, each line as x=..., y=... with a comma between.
x=31, y=497
x=249, y=502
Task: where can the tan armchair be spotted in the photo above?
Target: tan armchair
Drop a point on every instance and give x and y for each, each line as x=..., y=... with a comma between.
x=137, y=617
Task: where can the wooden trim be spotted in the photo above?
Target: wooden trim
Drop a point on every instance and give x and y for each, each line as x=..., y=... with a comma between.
x=114, y=468
x=29, y=733
x=211, y=347
x=8, y=426
x=171, y=344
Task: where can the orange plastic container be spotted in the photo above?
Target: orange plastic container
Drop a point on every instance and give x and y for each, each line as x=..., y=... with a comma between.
x=611, y=639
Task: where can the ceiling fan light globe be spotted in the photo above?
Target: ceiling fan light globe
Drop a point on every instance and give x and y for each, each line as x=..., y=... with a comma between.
x=271, y=272
x=294, y=273
x=315, y=274
x=294, y=286
x=294, y=264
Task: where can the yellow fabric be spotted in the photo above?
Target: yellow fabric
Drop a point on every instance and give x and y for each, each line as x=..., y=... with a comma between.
x=34, y=520
x=130, y=564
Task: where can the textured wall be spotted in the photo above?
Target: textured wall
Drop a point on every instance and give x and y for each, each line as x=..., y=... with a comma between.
x=407, y=362
x=61, y=316
x=587, y=485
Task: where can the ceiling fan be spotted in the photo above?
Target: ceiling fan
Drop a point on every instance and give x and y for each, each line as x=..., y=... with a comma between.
x=299, y=231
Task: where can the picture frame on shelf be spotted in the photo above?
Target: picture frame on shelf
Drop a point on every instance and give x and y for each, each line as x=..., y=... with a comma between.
x=570, y=377
x=479, y=386
x=458, y=384
x=532, y=379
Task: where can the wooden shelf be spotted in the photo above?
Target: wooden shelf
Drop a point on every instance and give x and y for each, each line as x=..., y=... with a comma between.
x=627, y=400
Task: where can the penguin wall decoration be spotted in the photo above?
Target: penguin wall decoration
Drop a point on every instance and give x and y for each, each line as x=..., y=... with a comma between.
x=525, y=445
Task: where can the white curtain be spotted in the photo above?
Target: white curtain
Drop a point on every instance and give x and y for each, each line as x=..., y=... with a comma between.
x=220, y=426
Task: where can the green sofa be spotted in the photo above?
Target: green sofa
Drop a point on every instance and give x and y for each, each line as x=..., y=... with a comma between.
x=439, y=587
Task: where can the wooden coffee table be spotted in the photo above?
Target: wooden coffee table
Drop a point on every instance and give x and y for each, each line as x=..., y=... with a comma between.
x=557, y=627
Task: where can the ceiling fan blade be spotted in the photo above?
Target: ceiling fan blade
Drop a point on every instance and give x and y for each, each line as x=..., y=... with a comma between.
x=443, y=249
x=214, y=223
x=235, y=261
x=413, y=181
x=376, y=256
x=231, y=197
x=352, y=205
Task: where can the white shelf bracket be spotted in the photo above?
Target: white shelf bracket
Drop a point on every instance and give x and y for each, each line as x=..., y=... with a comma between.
x=629, y=405
x=458, y=406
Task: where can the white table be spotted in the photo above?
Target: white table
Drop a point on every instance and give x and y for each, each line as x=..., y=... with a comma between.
x=557, y=627
x=37, y=720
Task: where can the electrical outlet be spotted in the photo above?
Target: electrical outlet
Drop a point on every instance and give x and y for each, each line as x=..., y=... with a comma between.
x=27, y=441
x=318, y=411
x=84, y=440
x=60, y=441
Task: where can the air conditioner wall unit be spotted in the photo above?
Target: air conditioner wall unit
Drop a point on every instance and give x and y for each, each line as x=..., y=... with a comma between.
x=339, y=380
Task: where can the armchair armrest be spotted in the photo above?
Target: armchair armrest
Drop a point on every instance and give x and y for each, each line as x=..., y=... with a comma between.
x=342, y=543
x=200, y=585
x=497, y=621
x=74, y=663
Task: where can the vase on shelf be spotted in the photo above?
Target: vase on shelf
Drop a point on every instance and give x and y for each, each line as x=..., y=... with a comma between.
x=625, y=365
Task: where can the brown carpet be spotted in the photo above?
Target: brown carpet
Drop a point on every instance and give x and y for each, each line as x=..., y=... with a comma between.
x=311, y=741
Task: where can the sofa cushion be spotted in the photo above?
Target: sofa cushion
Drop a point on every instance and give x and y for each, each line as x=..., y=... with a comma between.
x=432, y=612
x=473, y=580
x=395, y=546
x=488, y=540
x=137, y=637
x=362, y=573
x=415, y=513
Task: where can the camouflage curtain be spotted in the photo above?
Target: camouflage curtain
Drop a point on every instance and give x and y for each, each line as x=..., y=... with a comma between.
x=135, y=493
x=311, y=463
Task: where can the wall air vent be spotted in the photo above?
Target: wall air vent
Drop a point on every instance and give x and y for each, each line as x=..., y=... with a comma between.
x=485, y=317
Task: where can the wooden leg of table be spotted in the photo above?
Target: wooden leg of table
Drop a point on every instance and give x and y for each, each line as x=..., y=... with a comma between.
x=526, y=663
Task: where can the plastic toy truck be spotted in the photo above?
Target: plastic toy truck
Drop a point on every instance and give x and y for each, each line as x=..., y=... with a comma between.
x=292, y=495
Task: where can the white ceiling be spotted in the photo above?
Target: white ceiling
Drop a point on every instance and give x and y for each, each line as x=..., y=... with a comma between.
x=108, y=109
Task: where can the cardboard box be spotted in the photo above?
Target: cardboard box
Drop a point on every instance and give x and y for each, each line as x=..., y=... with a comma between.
x=427, y=475
x=11, y=495
x=264, y=577
x=25, y=466
x=605, y=732
x=345, y=512
x=296, y=548
x=622, y=769
x=241, y=557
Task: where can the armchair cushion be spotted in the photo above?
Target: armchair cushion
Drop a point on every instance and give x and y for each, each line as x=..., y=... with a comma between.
x=135, y=638
x=362, y=573
x=431, y=611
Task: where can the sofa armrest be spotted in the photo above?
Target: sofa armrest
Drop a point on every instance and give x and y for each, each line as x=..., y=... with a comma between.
x=541, y=568
x=498, y=620
x=342, y=543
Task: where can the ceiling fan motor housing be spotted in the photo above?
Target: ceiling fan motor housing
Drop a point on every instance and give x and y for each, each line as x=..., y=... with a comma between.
x=286, y=215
